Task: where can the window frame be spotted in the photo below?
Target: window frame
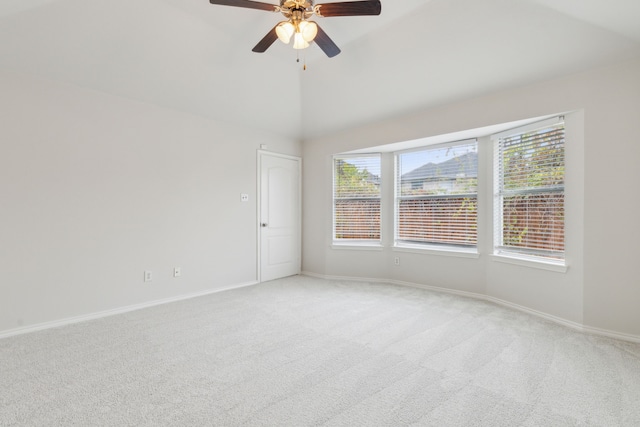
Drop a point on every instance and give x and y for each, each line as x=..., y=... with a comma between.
x=345, y=243
x=433, y=247
x=526, y=256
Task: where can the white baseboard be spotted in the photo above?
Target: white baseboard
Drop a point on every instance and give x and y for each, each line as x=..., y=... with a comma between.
x=555, y=319
x=611, y=334
x=119, y=310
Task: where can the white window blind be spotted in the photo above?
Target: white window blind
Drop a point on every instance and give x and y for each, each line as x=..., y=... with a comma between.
x=436, y=195
x=356, y=198
x=529, y=207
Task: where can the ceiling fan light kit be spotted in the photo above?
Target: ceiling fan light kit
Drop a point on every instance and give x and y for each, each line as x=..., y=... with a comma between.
x=302, y=31
x=299, y=27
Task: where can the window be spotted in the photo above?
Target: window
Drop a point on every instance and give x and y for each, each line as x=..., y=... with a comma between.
x=356, y=198
x=436, y=196
x=529, y=191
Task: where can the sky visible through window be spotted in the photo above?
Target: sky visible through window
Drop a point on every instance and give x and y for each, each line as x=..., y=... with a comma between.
x=413, y=160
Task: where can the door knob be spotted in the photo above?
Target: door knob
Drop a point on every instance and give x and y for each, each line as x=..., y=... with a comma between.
x=264, y=224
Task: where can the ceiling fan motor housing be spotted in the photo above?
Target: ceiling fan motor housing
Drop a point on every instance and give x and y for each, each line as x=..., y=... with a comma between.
x=301, y=9
x=296, y=4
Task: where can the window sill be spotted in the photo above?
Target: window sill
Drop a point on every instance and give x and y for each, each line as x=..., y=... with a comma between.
x=557, y=266
x=443, y=251
x=357, y=246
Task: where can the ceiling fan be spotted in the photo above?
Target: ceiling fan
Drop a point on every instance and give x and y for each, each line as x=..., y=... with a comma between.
x=298, y=27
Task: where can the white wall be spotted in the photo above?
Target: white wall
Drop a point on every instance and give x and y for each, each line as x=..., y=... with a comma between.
x=601, y=288
x=96, y=189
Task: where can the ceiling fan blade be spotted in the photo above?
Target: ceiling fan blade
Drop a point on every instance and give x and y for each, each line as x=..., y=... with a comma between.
x=246, y=3
x=266, y=41
x=326, y=44
x=350, y=8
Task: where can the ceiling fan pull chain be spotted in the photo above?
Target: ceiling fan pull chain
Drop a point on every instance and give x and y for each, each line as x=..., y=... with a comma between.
x=304, y=60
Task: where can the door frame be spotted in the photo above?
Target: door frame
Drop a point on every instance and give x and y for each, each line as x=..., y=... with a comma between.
x=260, y=153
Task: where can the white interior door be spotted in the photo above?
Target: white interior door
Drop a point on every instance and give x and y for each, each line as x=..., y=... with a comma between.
x=280, y=222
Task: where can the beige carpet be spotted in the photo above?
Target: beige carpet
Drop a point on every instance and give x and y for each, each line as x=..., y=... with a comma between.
x=305, y=352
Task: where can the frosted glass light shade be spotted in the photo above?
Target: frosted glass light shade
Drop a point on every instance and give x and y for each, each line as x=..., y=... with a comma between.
x=308, y=29
x=299, y=42
x=285, y=30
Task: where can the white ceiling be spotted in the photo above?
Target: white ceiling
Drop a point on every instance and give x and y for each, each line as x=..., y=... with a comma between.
x=195, y=57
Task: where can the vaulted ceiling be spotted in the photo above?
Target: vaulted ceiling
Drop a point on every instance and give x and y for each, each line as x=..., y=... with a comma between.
x=195, y=57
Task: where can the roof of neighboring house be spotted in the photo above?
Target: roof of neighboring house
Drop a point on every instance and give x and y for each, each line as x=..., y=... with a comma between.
x=466, y=163
x=373, y=178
